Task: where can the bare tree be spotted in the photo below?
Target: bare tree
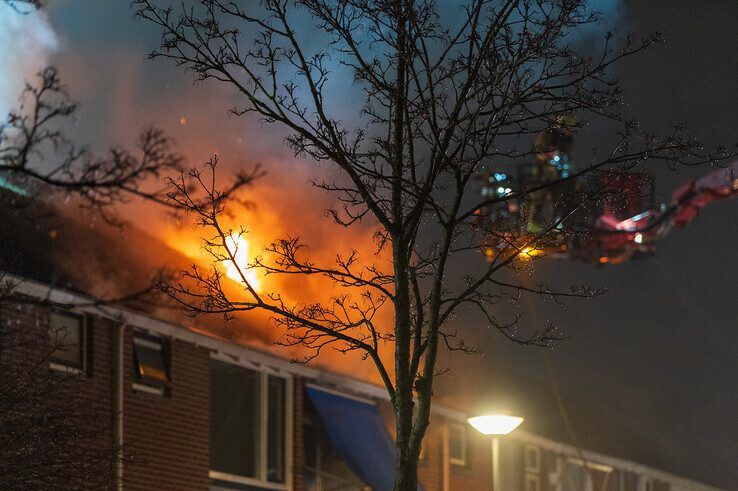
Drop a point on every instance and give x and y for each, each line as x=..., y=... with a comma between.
x=55, y=431
x=38, y=160
x=35, y=131
x=444, y=97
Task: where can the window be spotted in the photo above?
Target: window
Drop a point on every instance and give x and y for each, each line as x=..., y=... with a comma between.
x=574, y=476
x=621, y=480
x=150, y=363
x=275, y=428
x=70, y=343
x=532, y=483
x=248, y=427
x=532, y=467
x=616, y=481
x=532, y=459
x=457, y=443
x=323, y=469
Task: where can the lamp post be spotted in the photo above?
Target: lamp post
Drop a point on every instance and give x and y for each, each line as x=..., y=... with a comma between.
x=496, y=425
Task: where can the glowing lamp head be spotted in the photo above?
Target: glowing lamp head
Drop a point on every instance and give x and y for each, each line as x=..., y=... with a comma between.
x=495, y=424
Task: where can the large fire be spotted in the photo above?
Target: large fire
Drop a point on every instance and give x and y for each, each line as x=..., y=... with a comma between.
x=238, y=247
x=269, y=221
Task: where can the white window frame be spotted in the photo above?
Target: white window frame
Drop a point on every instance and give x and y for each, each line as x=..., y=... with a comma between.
x=139, y=387
x=61, y=367
x=531, y=468
x=262, y=471
x=462, y=462
x=532, y=482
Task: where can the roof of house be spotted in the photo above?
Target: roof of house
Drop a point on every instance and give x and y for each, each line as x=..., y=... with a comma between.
x=75, y=249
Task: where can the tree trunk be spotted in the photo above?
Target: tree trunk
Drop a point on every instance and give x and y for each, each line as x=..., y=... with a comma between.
x=406, y=473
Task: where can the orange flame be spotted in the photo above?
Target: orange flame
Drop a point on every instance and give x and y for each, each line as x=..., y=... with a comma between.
x=238, y=247
x=530, y=252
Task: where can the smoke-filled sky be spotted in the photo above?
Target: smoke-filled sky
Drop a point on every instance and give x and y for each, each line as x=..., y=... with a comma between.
x=658, y=355
x=27, y=41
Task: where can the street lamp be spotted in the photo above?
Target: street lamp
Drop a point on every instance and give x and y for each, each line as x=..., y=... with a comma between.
x=495, y=425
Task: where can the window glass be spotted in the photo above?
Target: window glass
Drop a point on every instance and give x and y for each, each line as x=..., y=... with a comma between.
x=532, y=459
x=323, y=469
x=457, y=444
x=149, y=356
x=331, y=483
x=574, y=478
x=151, y=363
x=310, y=440
x=613, y=483
x=275, y=428
x=532, y=483
x=234, y=417
x=331, y=464
x=310, y=481
x=66, y=335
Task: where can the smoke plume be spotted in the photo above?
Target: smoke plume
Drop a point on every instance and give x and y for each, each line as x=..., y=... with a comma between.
x=27, y=41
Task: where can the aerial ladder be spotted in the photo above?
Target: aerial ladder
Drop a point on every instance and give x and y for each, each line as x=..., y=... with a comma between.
x=601, y=217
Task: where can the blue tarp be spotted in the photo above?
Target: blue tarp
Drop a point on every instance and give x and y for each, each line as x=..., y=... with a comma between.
x=358, y=436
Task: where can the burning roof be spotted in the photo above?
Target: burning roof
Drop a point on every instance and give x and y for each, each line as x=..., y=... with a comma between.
x=70, y=248
x=67, y=247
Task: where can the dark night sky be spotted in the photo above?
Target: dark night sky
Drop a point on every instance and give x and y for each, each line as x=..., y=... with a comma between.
x=659, y=352
x=657, y=357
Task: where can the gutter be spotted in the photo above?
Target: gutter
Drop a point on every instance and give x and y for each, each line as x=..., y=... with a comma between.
x=119, y=365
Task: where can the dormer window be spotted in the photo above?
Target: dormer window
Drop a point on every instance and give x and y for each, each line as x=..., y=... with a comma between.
x=457, y=443
x=150, y=363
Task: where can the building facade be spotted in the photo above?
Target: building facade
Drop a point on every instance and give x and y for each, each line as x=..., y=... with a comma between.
x=189, y=411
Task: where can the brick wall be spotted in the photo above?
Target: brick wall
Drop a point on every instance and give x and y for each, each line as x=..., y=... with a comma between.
x=168, y=437
x=475, y=475
x=298, y=448
x=431, y=466
x=58, y=426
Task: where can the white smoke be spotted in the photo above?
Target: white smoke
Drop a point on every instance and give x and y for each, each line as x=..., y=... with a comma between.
x=27, y=42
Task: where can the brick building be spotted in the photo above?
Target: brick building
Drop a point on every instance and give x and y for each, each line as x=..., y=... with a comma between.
x=186, y=407
x=196, y=412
